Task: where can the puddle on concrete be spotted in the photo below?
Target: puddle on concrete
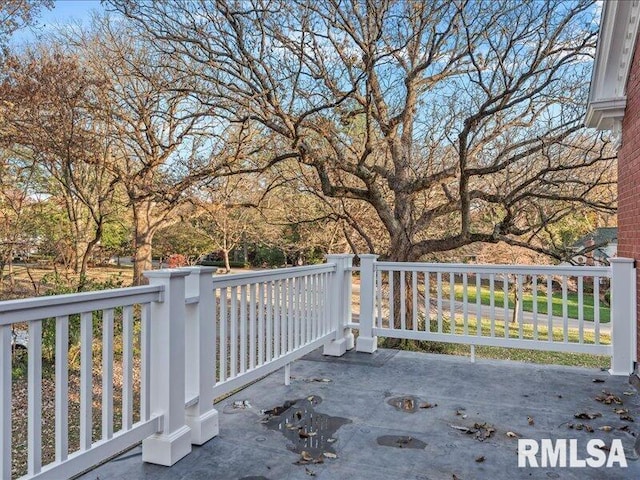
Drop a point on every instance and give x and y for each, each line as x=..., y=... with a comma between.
x=401, y=442
x=409, y=403
x=306, y=429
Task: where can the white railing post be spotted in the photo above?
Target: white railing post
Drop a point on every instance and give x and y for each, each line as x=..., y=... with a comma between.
x=167, y=363
x=623, y=315
x=200, y=336
x=340, y=305
x=367, y=342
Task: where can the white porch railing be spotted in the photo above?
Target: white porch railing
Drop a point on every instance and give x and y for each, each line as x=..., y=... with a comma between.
x=198, y=337
x=190, y=337
x=476, y=305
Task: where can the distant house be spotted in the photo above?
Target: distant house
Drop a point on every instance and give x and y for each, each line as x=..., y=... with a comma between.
x=614, y=105
x=597, y=247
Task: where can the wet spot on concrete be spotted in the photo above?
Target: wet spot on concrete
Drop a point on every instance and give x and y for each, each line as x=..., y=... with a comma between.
x=306, y=429
x=401, y=442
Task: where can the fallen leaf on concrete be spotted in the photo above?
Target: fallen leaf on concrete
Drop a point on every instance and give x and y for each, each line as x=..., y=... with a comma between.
x=608, y=398
x=620, y=411
x=530, y=421
x=624, y=428
x=331, y=440
x=588, y=428
x=603, y=447
x=629, y=393
x=627, y=418
x=598, y=380
x=330, y=455
x=587, y=416
x=605, y=428
x=309, y=472
x=427, y=405
x=480, y=459
x=306, y=456
x=512, y=435
x=302, y=433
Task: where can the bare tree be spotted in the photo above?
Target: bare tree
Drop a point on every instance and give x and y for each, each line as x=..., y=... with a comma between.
x=49, y=105
x=457, y=122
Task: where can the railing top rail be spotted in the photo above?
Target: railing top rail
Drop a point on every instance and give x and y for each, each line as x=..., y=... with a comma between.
x=269, y=275
x=22, y=310
x=497, y=269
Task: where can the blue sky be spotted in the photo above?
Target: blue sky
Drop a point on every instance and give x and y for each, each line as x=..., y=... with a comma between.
x=64, y=12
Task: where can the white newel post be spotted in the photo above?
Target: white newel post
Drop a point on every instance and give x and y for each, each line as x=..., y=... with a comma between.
x=340, y=302
x=167, y=363
x=200, y=330
x=367, y=342
x=623, y=315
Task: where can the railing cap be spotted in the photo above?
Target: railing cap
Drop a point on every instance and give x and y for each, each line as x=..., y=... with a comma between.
x=166, y=273
x=363, y=256
x=201, y=269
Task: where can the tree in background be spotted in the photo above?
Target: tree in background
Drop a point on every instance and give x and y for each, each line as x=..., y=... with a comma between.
x=49, y=103
x=456, y=122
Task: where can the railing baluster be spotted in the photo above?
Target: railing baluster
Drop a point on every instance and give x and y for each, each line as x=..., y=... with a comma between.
x=427, y=303
x=309, y=310
x=534, y=292
x=392, y=321
x=107, y=374
x=252, y=326
x=414, y=296
x=127, y=367
x=269, y=321
x=276, y=319
x=452, y=302
x=261, y=326
x=145, y=361
x=549, y=308
x=86, y=380
x=223, y=334
x=62, y=388
x=492, y=302
x=596, y=309
x=520, y=310
x=233, y=337
x=581, y=309
x=294, y=301
x=439, y=293
x=478, y=304
x=465, y=303
x=291, y=314
x=283, y=317
x=505, y=293
x=403, y=300
x=565, y=313
x=34, y=407
x=243, y=328
x=5, y=401
x=379, y=295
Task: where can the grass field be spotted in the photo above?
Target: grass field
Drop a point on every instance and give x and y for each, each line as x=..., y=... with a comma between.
x=527, y=302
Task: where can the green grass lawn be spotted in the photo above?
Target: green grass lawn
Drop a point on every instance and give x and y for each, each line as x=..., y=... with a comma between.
x=527, y=302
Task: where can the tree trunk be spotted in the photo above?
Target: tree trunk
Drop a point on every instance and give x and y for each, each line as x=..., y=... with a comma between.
x=87, y=255
x=143, y=238
x=225, y=255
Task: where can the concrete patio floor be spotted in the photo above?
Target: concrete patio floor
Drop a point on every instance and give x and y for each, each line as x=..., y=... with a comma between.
x=358, y=387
